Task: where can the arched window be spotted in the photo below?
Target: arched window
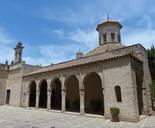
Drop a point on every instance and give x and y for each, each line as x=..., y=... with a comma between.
x=105, y=37
x=118, y=93
x=119, y=38
x=112, y=36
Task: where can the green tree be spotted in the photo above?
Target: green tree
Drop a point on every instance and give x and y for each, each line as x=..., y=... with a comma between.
x=152, y=90
x=151, y=58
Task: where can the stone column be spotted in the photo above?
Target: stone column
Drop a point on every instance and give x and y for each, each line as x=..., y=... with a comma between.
x=63, y=102
x=48, y=94
x=81, y=92
x=103, y=92
x=101, y=74
x=37, y=98
x=82, y=101
x=49, y=99
x=27, y=98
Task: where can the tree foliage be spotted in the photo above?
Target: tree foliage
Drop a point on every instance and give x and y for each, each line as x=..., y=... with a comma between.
x=152, y=89
x=151, y=58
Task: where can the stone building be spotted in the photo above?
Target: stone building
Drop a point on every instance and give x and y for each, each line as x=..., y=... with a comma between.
x=111, y=75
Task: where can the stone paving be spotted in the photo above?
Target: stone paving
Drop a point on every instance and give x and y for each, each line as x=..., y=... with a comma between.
x=14, y=117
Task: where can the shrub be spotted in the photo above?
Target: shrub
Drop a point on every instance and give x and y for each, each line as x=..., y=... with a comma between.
x=114, y=111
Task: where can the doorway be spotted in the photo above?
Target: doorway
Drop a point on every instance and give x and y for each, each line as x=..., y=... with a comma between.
x=8, y=96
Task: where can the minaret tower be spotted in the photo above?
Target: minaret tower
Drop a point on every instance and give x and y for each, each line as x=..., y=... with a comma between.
x=109, y=32
x=18, y=52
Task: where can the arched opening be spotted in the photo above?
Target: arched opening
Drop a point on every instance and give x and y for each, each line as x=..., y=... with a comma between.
x=105, y=38
x=32, y=97
x=118, y=94
x=72, y=94
x=139, y=81
x=43, y=94
x=56, y=94
x=93, y=94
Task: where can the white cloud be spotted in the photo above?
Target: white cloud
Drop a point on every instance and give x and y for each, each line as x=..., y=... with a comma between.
x=4, y=37
x=144, y=36
x=71, y=17
x=59, y=32
x=35, y=61
x=6, y=51
x=88, y=39
x=58, y=53
x=82, y=37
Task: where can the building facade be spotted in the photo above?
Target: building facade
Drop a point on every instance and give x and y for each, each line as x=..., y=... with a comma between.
x=111, y=75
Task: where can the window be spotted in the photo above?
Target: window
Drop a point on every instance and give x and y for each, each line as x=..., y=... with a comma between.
x=105, y=37
x=118, y=93
x=119, y=38
x=100, y=39
x=112, y=36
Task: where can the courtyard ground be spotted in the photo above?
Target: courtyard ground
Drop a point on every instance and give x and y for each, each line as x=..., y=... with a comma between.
x=14, y=117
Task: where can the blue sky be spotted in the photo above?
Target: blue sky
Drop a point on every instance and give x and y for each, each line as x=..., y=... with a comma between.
x=54, y=30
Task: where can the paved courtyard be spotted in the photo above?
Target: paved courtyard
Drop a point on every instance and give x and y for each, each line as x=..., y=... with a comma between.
x=14, y=117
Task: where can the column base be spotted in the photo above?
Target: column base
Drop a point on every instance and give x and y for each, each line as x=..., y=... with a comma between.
x=63, y=111
x=48, y=109
x=82, y=113
x=36, y=107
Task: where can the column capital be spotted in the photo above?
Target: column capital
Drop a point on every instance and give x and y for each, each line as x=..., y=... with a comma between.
x=37, y=82
x=27, y=92
x=100, y=74
x=48, y=84
x=37, y=92
x=48, y=80
x=49, y=92
x=63, y=90
x=62, y=79
x=81, y=89
x=82, y=92
x=80, y=78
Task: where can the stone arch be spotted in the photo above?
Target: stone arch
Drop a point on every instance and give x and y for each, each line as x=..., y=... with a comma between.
x=94, y=102
x=72, y=94
x=32, y=90
x=43, y=94
x=56, y=93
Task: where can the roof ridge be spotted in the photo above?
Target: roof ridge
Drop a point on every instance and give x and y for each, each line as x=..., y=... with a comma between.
x=72, y=63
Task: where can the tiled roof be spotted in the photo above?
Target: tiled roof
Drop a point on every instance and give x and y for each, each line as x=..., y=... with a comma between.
x=105, y=48
x=82, y=61
x=108, y=22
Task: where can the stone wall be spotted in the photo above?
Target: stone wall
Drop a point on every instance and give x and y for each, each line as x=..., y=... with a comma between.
x=3, y=83
x=14, y=84
x=15, y=80
x=120, y=75
x=115, y=72
x=120, y=71
x=141, y=53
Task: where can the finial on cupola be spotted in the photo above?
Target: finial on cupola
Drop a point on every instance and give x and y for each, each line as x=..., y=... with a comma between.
x=18, y=52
